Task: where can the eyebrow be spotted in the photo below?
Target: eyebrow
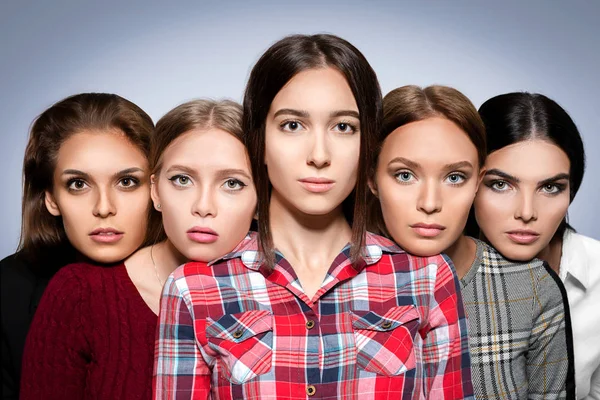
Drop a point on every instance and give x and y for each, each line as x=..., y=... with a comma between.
x=555, y=178
x=182, y=168
x=509, y=177
x=232, y=171
x=127, y=171
x=406, y=161
x=306, y=114
x=458, y=165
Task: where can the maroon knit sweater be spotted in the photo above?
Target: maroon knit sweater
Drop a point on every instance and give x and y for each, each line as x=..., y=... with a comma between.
x=92, y=337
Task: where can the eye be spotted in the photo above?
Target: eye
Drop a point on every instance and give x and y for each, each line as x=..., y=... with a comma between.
x=345, y=127
x=404, y=176
x=456, y=179
x=234, y=184
x=551, y=188
x=181, y=180
x=499, y=186
x=76, y=184
x=291, y=126
x=129, y=182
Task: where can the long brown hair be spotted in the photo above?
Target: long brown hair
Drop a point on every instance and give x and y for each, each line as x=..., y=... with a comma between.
x=412, y=103
x=43, y=238
x=201, y=114
x=280, y=63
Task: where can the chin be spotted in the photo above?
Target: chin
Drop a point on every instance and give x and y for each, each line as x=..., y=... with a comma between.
x=514, y=253
x=420, y=249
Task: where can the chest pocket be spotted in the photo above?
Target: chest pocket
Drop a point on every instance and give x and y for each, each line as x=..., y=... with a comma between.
x=385, y=343
x=244, y=343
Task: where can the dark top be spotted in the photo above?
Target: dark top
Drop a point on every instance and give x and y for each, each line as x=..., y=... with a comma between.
x=91, y=338
x=21, y=290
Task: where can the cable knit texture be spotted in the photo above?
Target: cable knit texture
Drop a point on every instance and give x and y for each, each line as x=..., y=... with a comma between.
x=92, y=337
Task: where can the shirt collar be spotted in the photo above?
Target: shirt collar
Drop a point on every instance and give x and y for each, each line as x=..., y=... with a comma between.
x=573, y=260
x=247, y=250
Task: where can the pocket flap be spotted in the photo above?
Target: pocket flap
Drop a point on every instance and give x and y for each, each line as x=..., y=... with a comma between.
x=239, y=327
x=392, y=319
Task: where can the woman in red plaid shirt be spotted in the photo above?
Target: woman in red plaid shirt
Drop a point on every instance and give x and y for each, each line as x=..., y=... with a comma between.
x=313, y=306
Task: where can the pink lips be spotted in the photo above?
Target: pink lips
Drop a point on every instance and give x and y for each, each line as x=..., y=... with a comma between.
x=427, y=230
x=202, y=235
x=523, y=236
x=317, y=185
x=106, y=235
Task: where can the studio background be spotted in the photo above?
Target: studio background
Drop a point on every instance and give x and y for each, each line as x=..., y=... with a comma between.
x=159, y=55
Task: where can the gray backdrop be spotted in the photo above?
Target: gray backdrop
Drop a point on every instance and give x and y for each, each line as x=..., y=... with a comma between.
x=159, y=55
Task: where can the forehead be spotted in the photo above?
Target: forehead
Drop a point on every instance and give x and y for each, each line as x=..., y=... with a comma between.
x=530, y=160
x=100, y=151
x=316, y=89
x=435, y=140
x=206, y=149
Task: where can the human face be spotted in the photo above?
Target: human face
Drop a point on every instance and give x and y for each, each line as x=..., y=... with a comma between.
x=313, y=142
x=206, y=193
x=524, y=197
x=101, y=190
x=426, y=179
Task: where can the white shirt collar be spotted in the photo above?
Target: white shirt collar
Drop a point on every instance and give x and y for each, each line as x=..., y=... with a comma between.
x=574, y=260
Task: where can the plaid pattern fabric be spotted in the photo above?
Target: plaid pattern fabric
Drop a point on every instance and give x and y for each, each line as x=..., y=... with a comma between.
x=391, y=327
x=517, y=333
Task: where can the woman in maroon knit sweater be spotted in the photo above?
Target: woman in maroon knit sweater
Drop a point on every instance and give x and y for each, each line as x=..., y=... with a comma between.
x=87, y=193
x=93, y=334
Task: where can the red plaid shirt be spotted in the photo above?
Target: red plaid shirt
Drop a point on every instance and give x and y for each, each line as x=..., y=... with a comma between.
x=391, y=327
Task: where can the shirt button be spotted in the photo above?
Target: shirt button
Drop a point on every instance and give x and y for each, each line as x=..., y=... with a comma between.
x=310, y=324
x=386, y=325
x=238, y=334
x=311, y=390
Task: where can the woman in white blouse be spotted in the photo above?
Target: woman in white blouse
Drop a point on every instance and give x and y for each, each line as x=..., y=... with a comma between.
x=534, y=168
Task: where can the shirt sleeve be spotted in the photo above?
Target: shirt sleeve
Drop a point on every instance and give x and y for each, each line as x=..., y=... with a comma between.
x=446, y=344
x=180, y=371
x=56, y=351
x=550, y=368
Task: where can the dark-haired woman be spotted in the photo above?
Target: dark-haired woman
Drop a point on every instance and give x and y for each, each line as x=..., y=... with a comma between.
x=313, y=306
x=426, y=177
x=535, y=166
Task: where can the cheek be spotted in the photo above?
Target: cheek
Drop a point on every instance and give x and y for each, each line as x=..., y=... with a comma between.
x=553, y=212
x=491, y=207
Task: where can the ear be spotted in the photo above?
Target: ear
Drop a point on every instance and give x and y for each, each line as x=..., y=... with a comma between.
x=51, y=204
x=373, y=186
x=154, y=192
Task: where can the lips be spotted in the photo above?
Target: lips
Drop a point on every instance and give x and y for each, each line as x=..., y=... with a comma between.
x=317, y=185
x=106, y=235
x=202, y=235
x=428, y=230
x=523, y=236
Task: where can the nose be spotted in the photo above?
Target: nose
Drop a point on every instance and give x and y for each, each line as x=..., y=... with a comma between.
x=105, y=204
x=526, y=209
x=205, y=204
x=319, y=155
x=430, y=200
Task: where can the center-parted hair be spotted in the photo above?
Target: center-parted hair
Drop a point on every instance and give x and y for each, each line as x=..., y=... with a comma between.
x=515, y=117
x=277, y=66
x=43, y=239
x=201, y=114
x=412, y=103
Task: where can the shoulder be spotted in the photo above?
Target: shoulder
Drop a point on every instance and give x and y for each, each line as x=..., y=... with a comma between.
x=590, y=245
x=14, y=268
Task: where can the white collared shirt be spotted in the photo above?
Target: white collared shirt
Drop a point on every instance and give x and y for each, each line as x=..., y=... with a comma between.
x=580, y=272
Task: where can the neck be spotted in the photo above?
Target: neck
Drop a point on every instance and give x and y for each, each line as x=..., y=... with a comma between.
x=552, y=253
x=167, y=258
x=462, y=253
x=311, y=241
